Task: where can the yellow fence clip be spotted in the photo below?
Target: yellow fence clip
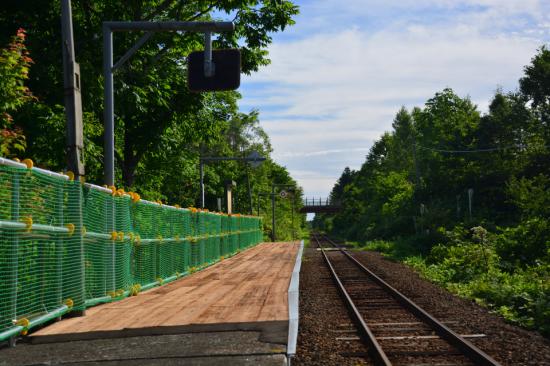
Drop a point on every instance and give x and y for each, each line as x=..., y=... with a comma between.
x=28, y=223
x=70, y=227
x=121, y=236
x=28, y=163
x=113, y=190
x=114, y=235
x=160, y=280
x=159, y=239
x=70, y=175
x=83, y=230
x=135, y=289
x=23, y=322
x=69, y=303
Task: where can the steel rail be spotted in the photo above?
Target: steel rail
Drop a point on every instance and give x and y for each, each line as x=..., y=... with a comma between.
x=365, y=332
x=467, y=348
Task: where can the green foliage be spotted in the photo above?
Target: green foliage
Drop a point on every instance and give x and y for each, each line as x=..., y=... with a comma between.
x=530, y=195
x=526, y=244
x=152, y=102
x=463, y=197
x=521, y=297
x=161, y=128
x=14, y=71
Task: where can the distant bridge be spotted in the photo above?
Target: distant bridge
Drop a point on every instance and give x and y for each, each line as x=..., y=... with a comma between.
x=320, y=205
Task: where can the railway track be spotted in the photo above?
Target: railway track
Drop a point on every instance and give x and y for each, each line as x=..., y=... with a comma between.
x=395, y=329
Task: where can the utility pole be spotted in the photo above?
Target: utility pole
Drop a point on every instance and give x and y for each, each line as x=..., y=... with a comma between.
x=75, y=140
x=73, y=100
x=249, y=190
x=292, y=220
x=273, y=236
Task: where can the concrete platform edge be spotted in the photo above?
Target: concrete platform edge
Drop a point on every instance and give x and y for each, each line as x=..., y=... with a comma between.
x=293, y=301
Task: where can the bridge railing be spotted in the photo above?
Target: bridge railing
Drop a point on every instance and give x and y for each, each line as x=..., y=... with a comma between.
x=65, y=245
x=320, y=201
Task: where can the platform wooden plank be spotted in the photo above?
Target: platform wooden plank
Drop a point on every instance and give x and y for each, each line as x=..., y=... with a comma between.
x=249, y=287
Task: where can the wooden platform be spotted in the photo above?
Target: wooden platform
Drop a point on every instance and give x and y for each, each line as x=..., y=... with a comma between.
x=247, y=291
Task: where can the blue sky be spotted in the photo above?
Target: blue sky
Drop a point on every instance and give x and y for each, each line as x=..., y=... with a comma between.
x=340, y=74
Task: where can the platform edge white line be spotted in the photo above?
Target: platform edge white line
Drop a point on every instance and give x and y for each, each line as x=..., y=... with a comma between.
x=293, y=301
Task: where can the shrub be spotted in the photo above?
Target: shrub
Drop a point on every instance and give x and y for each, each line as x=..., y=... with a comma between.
x=525, y=244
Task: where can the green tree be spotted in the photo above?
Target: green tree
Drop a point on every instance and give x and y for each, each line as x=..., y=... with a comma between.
x=14, y=70
x=151, y=94
x=535, y=88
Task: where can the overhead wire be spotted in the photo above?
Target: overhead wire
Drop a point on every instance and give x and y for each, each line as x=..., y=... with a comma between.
x=472, y=151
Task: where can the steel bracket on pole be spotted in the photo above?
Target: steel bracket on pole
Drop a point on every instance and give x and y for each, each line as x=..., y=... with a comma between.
x=108, y=68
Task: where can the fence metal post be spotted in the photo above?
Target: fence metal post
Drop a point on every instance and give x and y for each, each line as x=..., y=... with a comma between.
x=273, y=236
x=78, y=262
x=109, y=272
x=60, y=243
x=113, y=244
x=82, y=261
x=201, y=168
x=14, y=250
x=105, y=248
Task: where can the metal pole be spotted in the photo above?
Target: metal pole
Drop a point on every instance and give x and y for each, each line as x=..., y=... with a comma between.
x=201, y=169
x=108, y=29
x=258, y=204
x=273, y=237
x=292, y=217
x=208, y=65
x=73, y=101
x=108, y=116
x=14, y=251
x=249, y=190
x=170, y=26
x=59, y=247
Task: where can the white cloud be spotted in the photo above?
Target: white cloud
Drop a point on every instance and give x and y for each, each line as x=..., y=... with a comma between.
x=320, y=152
x=337, y=91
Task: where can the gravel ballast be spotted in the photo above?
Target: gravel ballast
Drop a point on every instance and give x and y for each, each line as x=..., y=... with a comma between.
x=325, y=324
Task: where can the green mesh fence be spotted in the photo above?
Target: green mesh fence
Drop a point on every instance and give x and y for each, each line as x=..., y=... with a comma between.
x=66, y=246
